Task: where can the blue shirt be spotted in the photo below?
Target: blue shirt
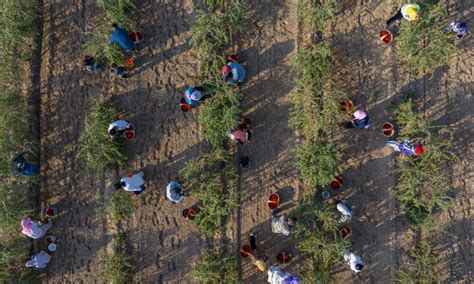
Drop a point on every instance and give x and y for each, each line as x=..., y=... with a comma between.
x=121, y=37
x=238, y=73
x=187, y=97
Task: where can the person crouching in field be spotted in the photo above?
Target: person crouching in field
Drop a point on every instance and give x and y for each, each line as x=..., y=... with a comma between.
x=406, y=147
x=91, y=65
x=133, y=183
x=21, y=166
x=193, y=96
x=408, y=12
x=174, y=192
x=117, y=128
x=354, y=261
x=121, y=37
x=39, y=260
x=259, y=257
x=282, y=225
x=242, y=133
x=119, y=71
x=34, y=229
x=360, y=120
x=233, y=73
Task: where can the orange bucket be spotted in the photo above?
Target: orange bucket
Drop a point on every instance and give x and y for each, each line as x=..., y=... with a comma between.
x=245, y=250
x=283, y=257
x=386, y=36
x=129, y=63
x=346, y=105
x=336, y=183
x=189, y=214
x=273, y=200
x=387, y=129
x=345, y=232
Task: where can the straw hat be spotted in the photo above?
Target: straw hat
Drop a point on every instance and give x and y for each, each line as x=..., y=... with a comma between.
x=412, y=13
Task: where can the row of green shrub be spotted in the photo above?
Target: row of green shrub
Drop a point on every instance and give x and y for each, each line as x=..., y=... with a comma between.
x=212, y=176
x=121, y=12
x=17, y=18
x=422, y=188
x=118, y=267
x=315, y=115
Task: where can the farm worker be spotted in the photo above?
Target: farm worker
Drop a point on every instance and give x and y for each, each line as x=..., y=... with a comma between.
x=21, y=166
x=459, y=28
x=120, y=71
x=193, y=96
x=278, y=276
x=408, y=11
x=282, y=224
x=174, y=192
x=118, y=127
x=91, y=65
x=121, y=37
x=133, y=183
x=39, y=260
x=354, y=261
x=35, y=229
x=241, y=135
x=259, y=257
x=233, y=73
x=345, y=210
x=360, y=120
x=406, y=147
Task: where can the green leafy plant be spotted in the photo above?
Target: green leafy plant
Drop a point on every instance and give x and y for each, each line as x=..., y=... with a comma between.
x=317, y=163
x=13, y=207
x=318, y=13
x=210, y=176
x=118, y=265
x=15, y=136
x=424, y=259
x=95, y=145
x=422, y=186
x=220, y=113
x=217, y=267
x=315, y=109
x=119, y=12
x=317, y=234
x=13, y=255
x=17, y=19
x=423, y=45
x=119, y=205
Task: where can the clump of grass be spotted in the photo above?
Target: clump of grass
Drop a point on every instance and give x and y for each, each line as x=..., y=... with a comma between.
x=422, y=186
x=95, y=145
x=317, y=235
x=317, y=163
x=118, y=265
x=318, y=13
x=217, y=267
x=13, y=207
x=210, y=176
x=423, y=45
x=17, y=19
x=315, y=102
x=119, y=205
x=119, y=12
x=220, y=113
x=13, y=255
x=213, y=33
x=15, y=136
x=424, y=259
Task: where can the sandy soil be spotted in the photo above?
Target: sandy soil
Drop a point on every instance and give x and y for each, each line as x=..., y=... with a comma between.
x=164, y=245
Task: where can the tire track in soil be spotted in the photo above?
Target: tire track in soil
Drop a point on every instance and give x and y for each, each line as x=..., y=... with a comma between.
x=66, y=183
x=266, y=45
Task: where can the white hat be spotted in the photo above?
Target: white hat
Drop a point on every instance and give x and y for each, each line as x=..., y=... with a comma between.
x=196, y=96
x=360, y=114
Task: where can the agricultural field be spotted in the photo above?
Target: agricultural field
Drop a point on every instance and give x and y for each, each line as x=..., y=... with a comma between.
x=411, y=215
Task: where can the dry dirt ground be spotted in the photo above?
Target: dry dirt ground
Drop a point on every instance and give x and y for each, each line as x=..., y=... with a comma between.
x=163, y=245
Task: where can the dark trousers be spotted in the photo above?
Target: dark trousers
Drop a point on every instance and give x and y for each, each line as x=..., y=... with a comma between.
x=392, y=20
x=253, y=242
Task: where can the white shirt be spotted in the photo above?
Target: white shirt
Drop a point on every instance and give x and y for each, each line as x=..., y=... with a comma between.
x=39, y=260
x=36, y=231
x=120, y=125
x=276, y=275
x=134, y=182
x=352, y=260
